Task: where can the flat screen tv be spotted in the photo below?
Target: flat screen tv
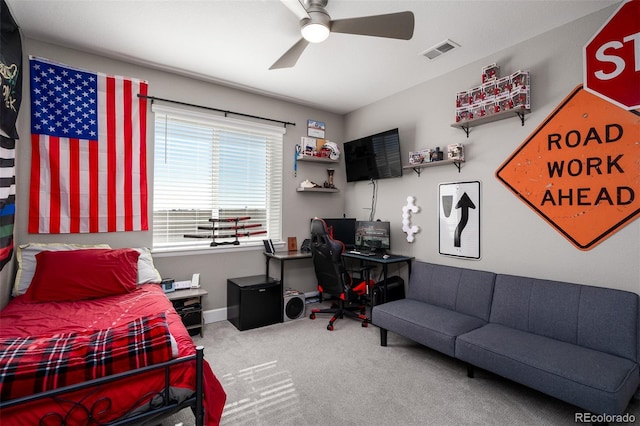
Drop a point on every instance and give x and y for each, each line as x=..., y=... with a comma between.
x=373, y=157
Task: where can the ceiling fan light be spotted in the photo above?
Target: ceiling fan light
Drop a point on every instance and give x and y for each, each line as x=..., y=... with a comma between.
x=315, y=32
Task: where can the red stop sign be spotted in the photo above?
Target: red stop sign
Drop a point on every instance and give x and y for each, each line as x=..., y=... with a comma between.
x=612, y=58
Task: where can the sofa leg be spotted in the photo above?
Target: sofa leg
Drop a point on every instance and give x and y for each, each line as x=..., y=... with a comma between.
x=470, y=371
x=383, y=337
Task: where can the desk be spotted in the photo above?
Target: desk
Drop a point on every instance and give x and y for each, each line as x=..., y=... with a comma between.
x=378, y=259
x=283, y=256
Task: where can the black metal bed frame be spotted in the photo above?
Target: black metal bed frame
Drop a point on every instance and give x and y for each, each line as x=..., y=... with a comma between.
x=155, y=412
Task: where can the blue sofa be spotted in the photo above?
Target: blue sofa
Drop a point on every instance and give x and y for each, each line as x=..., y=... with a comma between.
x=574, y=342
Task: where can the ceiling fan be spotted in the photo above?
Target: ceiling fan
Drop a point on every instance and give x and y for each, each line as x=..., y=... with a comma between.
x=316, y=24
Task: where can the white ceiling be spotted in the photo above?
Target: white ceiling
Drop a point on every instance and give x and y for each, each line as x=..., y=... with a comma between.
x=234, y=42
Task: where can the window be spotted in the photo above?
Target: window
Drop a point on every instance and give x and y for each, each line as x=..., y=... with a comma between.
x=207, y=166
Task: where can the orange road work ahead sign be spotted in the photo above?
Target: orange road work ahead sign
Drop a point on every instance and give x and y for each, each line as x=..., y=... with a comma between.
x=580, y=169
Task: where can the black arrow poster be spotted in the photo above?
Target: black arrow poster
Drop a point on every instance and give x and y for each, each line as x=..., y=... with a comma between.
x=459, y=219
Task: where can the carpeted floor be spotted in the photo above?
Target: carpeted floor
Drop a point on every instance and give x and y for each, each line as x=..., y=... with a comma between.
x=298, y=373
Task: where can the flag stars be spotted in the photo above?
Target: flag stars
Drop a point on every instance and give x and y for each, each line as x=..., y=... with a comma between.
x=64, y=101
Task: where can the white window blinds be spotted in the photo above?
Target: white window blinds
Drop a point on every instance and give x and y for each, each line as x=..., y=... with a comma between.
x=207, y=166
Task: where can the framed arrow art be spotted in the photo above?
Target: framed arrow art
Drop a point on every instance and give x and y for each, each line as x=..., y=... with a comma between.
x=459, y=219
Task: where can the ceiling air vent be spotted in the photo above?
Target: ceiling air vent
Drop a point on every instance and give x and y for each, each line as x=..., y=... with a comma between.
x=439, y=49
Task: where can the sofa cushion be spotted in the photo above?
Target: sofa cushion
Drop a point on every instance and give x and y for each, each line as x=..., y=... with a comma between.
x=430, y=325
x=599, y=382
x=597, y=318
x=463, y=290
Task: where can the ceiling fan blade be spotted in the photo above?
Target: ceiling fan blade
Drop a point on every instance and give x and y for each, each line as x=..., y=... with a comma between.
x=393, y=25
x=291, y=56
x=297, y=8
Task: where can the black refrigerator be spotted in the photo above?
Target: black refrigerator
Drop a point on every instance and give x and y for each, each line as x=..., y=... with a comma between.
x=254, y=301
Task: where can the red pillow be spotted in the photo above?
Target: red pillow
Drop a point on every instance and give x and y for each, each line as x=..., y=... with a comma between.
x=83, y=274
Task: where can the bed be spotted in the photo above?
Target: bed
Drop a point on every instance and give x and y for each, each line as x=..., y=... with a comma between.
x=90, y=338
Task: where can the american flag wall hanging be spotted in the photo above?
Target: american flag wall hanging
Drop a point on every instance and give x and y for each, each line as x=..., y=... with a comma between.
x=88, y=151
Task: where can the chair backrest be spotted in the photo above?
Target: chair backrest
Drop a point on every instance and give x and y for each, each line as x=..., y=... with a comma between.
x=327, y=259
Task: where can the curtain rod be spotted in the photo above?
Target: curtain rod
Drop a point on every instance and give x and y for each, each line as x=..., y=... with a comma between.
x=226, y=112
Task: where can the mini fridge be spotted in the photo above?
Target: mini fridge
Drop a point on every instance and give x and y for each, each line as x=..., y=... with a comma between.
x=254, y=301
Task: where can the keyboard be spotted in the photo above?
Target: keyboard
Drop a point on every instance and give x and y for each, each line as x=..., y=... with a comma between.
x=362, y=253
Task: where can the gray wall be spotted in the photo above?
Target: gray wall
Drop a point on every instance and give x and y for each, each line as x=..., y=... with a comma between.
x=298, y=209
x=514, y=239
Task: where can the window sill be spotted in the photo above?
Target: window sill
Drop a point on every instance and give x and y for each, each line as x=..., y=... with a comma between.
x=200, y=250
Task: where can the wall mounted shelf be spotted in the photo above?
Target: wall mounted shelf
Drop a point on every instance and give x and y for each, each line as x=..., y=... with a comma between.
x=317, y=190
x=313, y=159
x=417, y=167
x=467, y=124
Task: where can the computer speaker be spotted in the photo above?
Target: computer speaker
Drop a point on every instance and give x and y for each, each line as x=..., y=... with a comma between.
x=294, y=304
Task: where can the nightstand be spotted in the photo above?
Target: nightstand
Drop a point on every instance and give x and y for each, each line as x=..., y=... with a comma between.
x=188, y=304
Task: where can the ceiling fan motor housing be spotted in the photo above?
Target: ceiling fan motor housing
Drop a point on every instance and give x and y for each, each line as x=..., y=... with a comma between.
x=316, y=28
x=316, y=4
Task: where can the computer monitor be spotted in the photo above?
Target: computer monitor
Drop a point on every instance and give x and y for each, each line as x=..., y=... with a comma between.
x=374, y=236
x=343, y=229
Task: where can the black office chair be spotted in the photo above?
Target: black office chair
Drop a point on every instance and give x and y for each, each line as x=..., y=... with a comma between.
x=333, y=278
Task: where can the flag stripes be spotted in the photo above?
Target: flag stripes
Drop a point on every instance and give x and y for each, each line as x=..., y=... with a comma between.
x=7, y=198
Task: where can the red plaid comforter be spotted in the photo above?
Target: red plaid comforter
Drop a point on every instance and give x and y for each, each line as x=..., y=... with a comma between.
x=30, y=365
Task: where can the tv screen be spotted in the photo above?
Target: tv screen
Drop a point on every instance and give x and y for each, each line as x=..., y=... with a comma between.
x=374, y=236
x=373, y=157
